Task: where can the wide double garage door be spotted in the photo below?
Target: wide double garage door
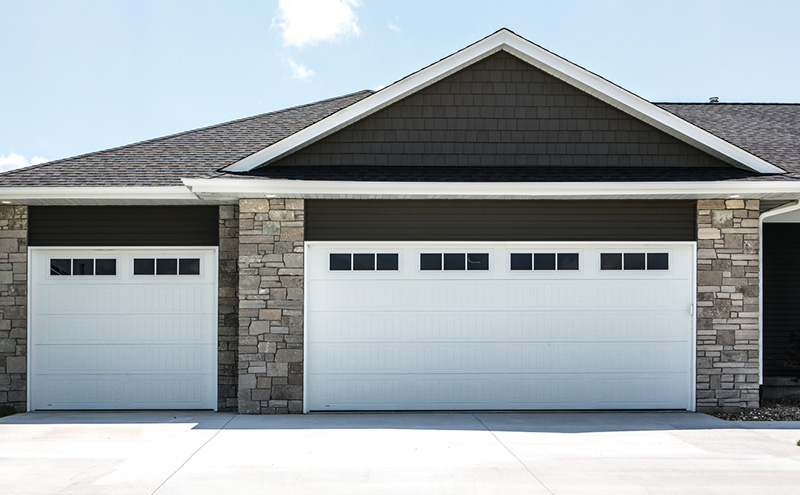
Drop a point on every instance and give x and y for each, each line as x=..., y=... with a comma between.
x=123, y=328
x=414, y=326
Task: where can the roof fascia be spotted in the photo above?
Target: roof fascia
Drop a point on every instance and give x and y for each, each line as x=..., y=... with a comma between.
x=228, y=189
x=538, y=57
x=17, y=195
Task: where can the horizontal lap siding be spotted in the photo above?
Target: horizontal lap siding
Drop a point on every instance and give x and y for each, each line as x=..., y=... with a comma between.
x=124, y=226
x=781, y=304
x=367, y=220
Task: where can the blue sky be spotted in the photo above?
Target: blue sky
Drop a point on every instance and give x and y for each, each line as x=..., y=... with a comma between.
x=83, y=75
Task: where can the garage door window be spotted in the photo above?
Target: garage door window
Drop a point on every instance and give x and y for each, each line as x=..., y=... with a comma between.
x=363, y=261
x=545, y=261
x=166, y=266
x=82, y=266
x=453, y=261
x=634, y=261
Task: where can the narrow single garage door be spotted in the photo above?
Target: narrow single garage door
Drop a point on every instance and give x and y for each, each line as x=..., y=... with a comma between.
x=499, y=326
x=123, y=329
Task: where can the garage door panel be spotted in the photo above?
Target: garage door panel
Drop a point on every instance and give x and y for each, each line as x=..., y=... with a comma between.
x=499, y=339
x=102, y=329
x=78, y=299
x=476, y=326
x=180, y=391
x=81, y=392
x=149, y=339
x=78, y=359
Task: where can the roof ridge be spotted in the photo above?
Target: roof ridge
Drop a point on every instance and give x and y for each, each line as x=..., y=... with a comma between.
x=170, y=136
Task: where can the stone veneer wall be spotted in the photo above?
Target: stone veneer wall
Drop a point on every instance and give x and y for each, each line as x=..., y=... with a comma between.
x=727, y=303
x=228, y=308
x=271, y=233
x=13, y=306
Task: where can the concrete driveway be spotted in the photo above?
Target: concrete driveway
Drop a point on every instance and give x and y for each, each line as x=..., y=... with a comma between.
x=461, y=453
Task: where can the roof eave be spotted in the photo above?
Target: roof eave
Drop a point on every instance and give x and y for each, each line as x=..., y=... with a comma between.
x=230, y=189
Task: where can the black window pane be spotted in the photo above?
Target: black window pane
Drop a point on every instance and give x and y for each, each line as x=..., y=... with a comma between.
x=521, y=261
x=430, y=261
x=611, y=261
x=454, y=261
x=478, y=261
x=340, y=261
x=634, y=261
x=544, y=261
x=144, y=266
x=166, y=266
x=189, y=266
x=105, y=267
x=82, y=267
x=657, y=261
x=363, y=262
x=387, y=261
x=568, y=261
x=60, y=267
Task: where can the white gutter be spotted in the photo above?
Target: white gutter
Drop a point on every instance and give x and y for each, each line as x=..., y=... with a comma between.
x=242, y=188
x=161, y=194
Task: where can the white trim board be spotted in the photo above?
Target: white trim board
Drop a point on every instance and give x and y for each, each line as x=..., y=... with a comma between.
x=231, y=189
x=536, y=56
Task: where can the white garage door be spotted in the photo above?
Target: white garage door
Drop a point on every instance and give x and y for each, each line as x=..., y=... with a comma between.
x=499, y=326
x=123, y=329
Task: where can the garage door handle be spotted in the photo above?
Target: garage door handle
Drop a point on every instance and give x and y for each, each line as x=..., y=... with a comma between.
x=691, y=309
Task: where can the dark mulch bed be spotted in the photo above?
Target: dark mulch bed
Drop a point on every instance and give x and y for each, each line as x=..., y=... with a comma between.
x=6, y=410
x=770, y=410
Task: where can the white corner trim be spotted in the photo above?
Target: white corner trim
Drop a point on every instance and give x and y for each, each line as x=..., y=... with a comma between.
x=95, y=193
x=538, y=57
x=243, y=188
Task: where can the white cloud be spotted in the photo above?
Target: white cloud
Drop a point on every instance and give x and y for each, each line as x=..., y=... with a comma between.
x=308, y=22
x=13, y=160
x=395, y=27
x=299, y=71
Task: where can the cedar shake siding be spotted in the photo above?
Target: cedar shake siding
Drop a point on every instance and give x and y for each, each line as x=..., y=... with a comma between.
x=501, y=112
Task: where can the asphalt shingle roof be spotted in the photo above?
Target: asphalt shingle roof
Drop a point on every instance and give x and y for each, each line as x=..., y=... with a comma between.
x=165, y=161
x=770, y=131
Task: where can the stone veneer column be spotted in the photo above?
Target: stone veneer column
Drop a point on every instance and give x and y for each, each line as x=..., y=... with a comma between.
x=727, y=300
x=13, y=306
x=228, y=336
x=271, y=305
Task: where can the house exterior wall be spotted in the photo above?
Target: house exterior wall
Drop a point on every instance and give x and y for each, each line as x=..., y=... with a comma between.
x=727, y=304
x=228, y=337
x=499, y=220
x=500, y=111
x=13, y=306
x=271, y=237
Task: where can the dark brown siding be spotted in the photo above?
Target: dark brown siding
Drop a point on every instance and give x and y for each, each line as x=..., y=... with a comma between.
x=781, y=273
x=365, y=220
x=123, y=226
x=500, y=112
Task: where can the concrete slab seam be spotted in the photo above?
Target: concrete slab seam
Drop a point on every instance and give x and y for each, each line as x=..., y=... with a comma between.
x=513, y=454
x=190, y=457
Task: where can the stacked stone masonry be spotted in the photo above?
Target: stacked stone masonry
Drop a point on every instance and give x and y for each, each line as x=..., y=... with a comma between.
x=13, y=306
x=228, y=307
x=727, y=304
x=271, y=234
